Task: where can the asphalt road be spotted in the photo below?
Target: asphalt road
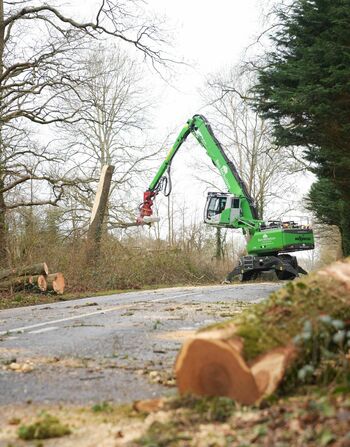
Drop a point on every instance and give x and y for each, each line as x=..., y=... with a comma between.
x=118, y=347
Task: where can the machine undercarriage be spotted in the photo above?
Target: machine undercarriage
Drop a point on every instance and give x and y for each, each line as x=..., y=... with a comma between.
x=250, y=267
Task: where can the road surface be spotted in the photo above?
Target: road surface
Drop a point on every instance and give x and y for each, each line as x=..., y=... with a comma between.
x=118, y=347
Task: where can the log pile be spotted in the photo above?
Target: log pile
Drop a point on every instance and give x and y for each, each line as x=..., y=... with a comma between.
x=35, y=278
x=248, y=357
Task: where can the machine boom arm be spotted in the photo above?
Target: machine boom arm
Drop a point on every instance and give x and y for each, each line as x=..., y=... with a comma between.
x=167, y=162
x=201, y=130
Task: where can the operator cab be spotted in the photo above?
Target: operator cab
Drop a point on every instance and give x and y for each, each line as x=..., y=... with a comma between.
x=221, y=208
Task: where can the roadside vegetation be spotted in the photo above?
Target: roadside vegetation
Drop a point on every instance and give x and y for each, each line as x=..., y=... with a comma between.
x=128, y=263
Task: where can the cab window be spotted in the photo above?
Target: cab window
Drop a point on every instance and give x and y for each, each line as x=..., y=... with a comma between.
x=216, y=206
x=235, y=203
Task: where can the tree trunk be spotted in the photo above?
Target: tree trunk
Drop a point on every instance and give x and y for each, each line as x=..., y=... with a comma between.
x=35, y=269
x=98, y=213
x=24, y=282
x=3, y=229
x=2, y=36
x=219, y=249
x=55, y=283
x=345, y=227
x=38, y=282
x=16, y=283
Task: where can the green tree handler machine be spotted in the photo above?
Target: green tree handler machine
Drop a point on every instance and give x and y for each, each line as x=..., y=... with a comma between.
x=269, y=243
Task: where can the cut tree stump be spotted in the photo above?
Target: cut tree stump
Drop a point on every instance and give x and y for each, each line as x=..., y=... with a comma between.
x=35, y=269
x=247, y=358
x=55, y=283
x=211, y=364
x=207, y=367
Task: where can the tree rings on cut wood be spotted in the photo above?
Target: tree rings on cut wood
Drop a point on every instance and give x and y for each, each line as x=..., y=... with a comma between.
x=33, y=277
x=55, y=283
x=210, y=366
x=39, y=281
x=340, y=271
x=207, y=367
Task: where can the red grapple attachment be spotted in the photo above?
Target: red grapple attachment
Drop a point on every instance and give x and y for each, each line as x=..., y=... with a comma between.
x=146, y=206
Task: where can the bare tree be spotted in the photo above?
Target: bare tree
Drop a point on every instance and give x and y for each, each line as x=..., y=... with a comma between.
x=247, y=140
x=39, y=67
x=109, y=131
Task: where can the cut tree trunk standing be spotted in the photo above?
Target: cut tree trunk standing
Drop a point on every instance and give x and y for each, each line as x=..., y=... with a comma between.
x=55, y=283
x=35, y=269
x=98, y=212
x=247, y=358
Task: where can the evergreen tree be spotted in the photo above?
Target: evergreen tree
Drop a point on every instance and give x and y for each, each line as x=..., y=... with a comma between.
x=304, y=89
x=324, y=200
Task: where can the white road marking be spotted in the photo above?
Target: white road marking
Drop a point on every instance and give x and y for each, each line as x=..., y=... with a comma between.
x=169, y=298
x=90, y=314
x=46, y=329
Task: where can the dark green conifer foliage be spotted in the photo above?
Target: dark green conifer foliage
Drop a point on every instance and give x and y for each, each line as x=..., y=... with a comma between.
x=304, y=89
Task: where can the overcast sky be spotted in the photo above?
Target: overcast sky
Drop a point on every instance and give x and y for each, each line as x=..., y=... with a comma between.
x=210, y=36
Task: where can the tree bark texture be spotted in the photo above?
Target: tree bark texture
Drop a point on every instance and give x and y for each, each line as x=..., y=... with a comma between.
x=37, y=282
x=35, y=269
x=3, y=229
x=345, y=228
x=98, y=212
